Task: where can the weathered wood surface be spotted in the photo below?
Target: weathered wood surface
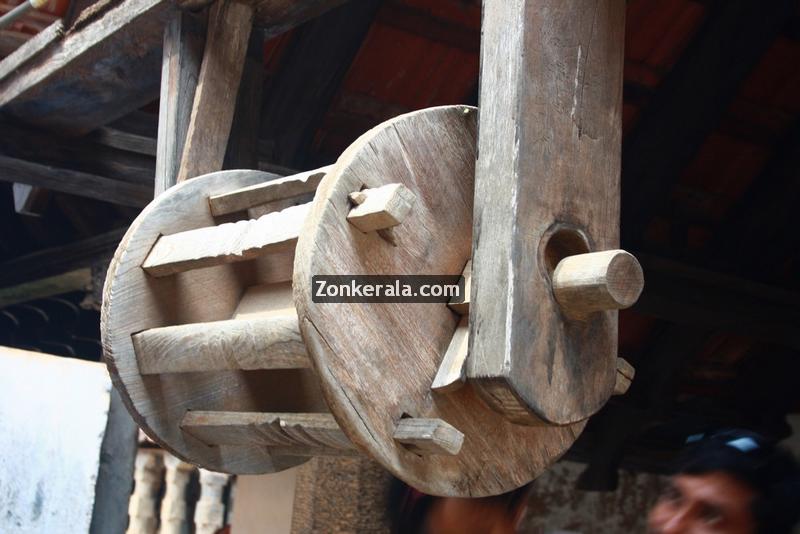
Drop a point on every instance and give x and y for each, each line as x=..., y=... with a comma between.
x=74, y=182
x=280, y=189
x=91, y=75
x=376, y=362
x=184, y=42
x=236, y=344
x=226, y=243
x=135, y=301
x=229, y=26
x=428, y=436
x=452, y=373
x=77, y=280
x=81, y=76
x=380, y=208
x=598, y=281
x=549, y=166
x=460, y=305
x=298, y=434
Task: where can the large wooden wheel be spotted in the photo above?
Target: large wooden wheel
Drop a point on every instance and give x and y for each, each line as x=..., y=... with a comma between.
x=376, y=362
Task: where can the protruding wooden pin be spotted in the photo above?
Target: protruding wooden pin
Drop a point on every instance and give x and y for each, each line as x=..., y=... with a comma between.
x=429, y=436
x=380, y=208
x=625, y=374
x=597, y=281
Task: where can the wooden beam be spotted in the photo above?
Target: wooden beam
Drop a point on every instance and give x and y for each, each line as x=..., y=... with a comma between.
x=690, y=102
x=30, y=200
x=308, y=79
x=237, y=344
x=297, y=434
x=229, y=26
x=184, y=42
x=226, y=243
x=242, y=151
x=429, y=436
x=59, y=260
x=91, y=75
x=78, y=280
x=74, y=182
x=546, y=187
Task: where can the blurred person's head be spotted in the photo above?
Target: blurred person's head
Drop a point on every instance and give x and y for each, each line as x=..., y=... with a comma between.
x=416, y=513
x=730, y=482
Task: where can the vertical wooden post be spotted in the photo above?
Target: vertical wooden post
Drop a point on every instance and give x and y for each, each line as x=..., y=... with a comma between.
x=547, y=187
x=229, y=25
x=184, y=40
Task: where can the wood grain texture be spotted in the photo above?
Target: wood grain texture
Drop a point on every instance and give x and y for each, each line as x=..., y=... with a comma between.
x=134, y=302
x=236, y=344
x=598, y=281
x=625, y=376
x=376, y=362
x=549, y=166
x=184, y=42
x=280, y=189
x=229, y=26
x=97, y=72
x=226, y=243
x=380, y=208
x=428, y=436
x=452, y=373
x=299, y=434
x=74, y=182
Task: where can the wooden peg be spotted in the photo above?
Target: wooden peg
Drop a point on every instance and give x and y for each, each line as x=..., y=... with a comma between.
x=232, y=345
x=429, y=436
x=597, y=281
x=460, y=305
x=452, y=373
x=625, y=374
x=380, y=208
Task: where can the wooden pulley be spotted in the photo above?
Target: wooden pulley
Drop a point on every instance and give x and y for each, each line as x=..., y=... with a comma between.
x=213, y=338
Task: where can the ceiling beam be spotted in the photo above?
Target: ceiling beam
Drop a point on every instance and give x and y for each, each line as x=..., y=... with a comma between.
x=59, y=260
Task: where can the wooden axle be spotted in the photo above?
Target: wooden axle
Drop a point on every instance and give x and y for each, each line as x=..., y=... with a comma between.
x=597, y=281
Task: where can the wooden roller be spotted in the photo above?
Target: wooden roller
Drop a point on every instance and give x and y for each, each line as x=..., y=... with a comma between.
x=212, y=337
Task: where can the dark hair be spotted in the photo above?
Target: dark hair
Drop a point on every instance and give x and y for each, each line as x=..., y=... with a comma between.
x=771, y=472
x=409, y=508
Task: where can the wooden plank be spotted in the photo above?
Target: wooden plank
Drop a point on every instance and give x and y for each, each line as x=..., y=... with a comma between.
x=74, y=182
x=546, y=187
x=77, y=280
x=237, y=344
x=309, y=77
x=452, y=373
x=226, y=243
x=256, y=195
x=96, y=73
x=242, y=151
x=690, y=102
x=429, y=436
x=184, y=41
x=298, y=434
x=79, y=154
x=58, y=260
x=229, y=26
